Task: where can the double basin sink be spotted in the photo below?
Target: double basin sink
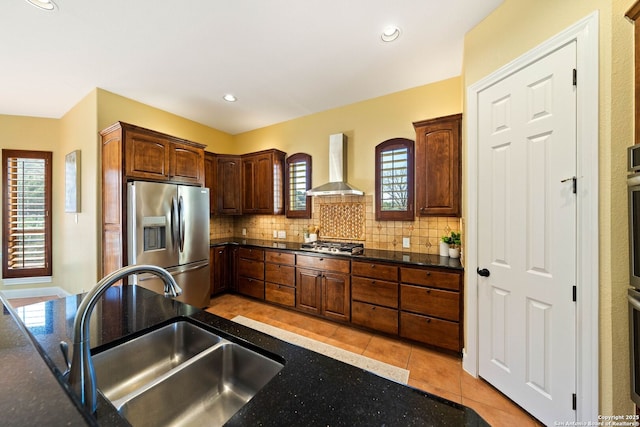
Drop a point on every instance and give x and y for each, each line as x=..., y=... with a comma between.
x=181, y=374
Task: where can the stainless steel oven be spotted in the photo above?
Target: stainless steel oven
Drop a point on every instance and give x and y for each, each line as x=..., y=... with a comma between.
x=634, y=343
x=633, y=185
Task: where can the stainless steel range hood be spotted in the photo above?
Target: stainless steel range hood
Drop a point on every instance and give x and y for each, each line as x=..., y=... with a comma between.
x=337, y=186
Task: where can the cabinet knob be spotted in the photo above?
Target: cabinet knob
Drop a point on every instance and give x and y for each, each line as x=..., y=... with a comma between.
x=428, y=320
x=373, y=282
x=428, y=291
x=373, y=266
x=428, y=273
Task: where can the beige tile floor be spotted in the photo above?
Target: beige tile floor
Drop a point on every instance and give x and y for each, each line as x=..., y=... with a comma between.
x=429, y=370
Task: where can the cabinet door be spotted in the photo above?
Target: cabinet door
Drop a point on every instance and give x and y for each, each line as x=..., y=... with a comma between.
x=438, y=166
x=210, y=179
x=309, y=290
x=336, y=296
x=146, y=156
x=229, y=186
x=219, y=269
x=186, y=163
x=257, y=184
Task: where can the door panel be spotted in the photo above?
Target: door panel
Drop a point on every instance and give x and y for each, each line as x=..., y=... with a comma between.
x=195, y=218
x=527, y=235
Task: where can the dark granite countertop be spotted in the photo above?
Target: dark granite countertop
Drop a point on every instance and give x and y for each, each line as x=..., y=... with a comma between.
x=311, y=389
x=409, y=258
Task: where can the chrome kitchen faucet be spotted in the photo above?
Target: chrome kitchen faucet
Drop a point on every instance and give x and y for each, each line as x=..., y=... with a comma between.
x=82, y=377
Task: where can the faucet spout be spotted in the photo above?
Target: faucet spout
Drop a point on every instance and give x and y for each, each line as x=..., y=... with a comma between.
x=82, y=377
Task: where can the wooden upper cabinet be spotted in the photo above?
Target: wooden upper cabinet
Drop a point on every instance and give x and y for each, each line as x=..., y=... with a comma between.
x=129, y=153
x=228, y=185
x=633, y=14
x=210, y=179
x=438, y=166
x=151, y=155
x=263, y=182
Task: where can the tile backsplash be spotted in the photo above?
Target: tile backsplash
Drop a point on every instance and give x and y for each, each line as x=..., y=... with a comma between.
x=424, y=233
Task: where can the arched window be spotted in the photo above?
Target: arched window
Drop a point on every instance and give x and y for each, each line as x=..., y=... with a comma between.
x=394, y=180
x=297, y=182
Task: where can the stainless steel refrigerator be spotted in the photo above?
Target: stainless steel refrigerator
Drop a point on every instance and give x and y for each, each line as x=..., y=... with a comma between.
x=168, y=226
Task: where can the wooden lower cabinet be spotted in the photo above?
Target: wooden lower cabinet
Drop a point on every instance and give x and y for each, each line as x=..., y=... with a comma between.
x=280, y=278
x=432, y=331
x=375, y=317
x=418, y=303
x=219, y=269
x=323, y=293
x=250, y=272
x=431, y=307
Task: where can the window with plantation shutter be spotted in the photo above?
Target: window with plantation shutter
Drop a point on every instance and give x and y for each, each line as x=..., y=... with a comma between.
x=297, y=182
x=394, y=180
x=26, y=211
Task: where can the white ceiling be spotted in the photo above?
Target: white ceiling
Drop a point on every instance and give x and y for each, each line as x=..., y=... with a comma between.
x=282, y=58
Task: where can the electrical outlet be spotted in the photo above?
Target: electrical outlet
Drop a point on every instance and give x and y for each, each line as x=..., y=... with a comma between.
x=275, y=234
x=282, y=234
x=244, y=231
x=405, y=242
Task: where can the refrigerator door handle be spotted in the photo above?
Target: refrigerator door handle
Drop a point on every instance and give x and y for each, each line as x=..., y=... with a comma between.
x=182, y=222
x=174, y=221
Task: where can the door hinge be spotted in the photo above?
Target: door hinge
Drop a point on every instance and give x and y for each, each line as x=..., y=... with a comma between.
x=575, y=293
x=575, y=77
x=574, y=183
x=574, y=401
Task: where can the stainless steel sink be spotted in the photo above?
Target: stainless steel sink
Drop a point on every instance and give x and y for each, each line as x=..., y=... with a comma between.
x=125, y=368
x=181, y=375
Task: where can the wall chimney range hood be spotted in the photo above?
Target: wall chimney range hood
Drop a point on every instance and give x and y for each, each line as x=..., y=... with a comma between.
x=337, y=186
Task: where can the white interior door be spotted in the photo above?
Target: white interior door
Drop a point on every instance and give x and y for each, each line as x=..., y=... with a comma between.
x=527, y=235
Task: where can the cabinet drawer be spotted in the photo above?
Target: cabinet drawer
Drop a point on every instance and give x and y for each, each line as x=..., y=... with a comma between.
x=324, y=263
x=433, y=278
x=375, y=271
x=375, y=317
x=279, y=257
x=281, y=274
x=251, y=268
x=251, y=287
x=432, y=302
x=251, y=253
x=440, y=333
x=373, y=291
x=280, y=294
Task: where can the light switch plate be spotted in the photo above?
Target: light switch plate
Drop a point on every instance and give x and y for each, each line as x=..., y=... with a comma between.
x=405, y=242
x=244, y=231
x=282, y=234
x=275, y=234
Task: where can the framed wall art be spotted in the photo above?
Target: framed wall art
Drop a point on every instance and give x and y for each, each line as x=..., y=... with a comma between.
x=72, y=182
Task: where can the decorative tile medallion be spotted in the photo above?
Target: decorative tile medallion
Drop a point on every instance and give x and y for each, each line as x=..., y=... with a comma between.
x=342, y=221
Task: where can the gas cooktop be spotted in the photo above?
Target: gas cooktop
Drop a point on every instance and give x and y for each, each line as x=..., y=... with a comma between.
x=338, y=248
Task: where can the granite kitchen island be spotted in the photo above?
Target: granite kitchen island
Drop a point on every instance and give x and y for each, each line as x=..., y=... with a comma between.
x=311, y=389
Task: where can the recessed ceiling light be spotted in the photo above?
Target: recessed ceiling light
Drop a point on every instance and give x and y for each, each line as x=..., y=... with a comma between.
x=43, y=4
x=390, y=33
x=230, y=98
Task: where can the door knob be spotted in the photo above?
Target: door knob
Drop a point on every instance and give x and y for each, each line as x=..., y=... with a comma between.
x=483, y=272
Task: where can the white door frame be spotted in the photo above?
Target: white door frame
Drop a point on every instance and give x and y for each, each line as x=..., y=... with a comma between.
x=585, y=32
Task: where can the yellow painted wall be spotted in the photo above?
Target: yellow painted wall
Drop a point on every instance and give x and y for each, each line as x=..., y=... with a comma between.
x=76, y=234
x=31, y=133
x=113, y=108
x=366, y=124
x=510, y=31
